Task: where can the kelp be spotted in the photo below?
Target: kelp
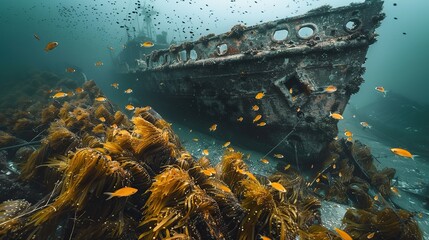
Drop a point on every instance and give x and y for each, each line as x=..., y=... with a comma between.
x=174, y=205
x=385, y=224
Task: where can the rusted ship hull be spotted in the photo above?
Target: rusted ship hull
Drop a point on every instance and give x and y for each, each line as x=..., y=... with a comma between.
x=221, y=82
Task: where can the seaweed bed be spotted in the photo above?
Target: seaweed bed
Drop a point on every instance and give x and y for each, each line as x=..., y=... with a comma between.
x=70, y=151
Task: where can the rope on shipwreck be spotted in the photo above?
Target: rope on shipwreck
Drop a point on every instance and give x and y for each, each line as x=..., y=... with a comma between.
x=300, y=115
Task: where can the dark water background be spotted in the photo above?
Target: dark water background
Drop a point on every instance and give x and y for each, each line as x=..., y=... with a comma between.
x=86, y=28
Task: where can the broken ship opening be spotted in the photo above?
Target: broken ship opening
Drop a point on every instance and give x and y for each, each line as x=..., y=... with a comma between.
x=215, y=79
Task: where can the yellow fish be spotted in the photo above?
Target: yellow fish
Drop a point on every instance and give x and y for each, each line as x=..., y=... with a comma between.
x=381, y=89
x=70, y=70
x=102, y=119
x=261, y=124
x=226, y=144
x=59, y=95
x=371, y=235
x=336, y=116
x=376, y=197
x=100, y=99
x=205, y=152
x=277, y=186
x=129, y=90
x=330, y=89
x=50, y=46
x=122, y=192
x=278, y=155
x=257, y=118
x=209, y=171
x=348, y=133
x=264, y=237
x=147, y=44
x=287, y=167
x=365, y=125
x=343, y=235
x=213, y=128
x=395, y=191
x=255, y=108
x=402, y=152
x=195, y=139
x=130, y=107
x=115, y=85
x=240, y=119
x=79, y=90
x=98, y=64
x=265, y=161
x=259, y=95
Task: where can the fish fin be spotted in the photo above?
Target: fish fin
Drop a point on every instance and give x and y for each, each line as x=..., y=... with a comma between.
x=110, y=195
x=413, y=156
x=330, y=113
x=385, y=93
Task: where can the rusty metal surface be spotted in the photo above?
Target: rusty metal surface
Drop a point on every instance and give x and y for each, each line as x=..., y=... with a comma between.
x=219, y=76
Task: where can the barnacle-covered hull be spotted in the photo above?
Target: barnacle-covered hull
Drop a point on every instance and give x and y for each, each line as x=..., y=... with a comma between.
x=217, y=77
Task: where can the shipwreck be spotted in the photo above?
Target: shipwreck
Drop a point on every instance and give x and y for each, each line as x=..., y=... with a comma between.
x=292, y=60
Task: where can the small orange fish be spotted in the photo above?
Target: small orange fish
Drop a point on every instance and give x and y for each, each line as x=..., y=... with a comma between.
x=264, y=160
x=147, y=44
x=70, y=70
x=261, y=124
x=336, y=116
x=287, y=167
x=70, y=93
x=330, y=89
x=213, y=128
x=209, y=171
x=336, y=138
x=349, y=139
x=128, y=91
x=334, y=166
x=122, y=192
x=102, y=119
x=343, y=235
x=115, y=85
x=264, y=237
x=100, y=99
x=348, y=133
x=36, y=37
x=402, y=152
x=98, y=64
x=381, y=89
x=259, y=95
x=205, y=152
x=277, y=186
x=278, y=155
x=365, y=125
x=59, y=95
x=226, y=144
x=79, y=90
x=50, y=46
x=240, y=119
x=371, y=235
x=130, y=107
x=376, y=198
x=255, y=108
x=257, y=118
x=395, y=191
x=291, y=90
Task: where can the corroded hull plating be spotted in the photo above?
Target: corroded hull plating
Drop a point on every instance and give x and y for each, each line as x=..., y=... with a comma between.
x=219, y=76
